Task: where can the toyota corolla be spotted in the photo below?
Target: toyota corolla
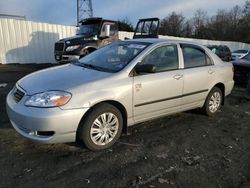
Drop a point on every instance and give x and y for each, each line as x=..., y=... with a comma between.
x=122, y=84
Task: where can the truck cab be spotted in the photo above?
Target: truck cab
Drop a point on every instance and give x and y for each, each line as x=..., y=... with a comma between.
x=92, y=34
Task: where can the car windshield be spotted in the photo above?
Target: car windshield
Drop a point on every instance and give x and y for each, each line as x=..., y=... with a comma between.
x=89, y=29
x=113, y=57
x=241, y=51
x=247, y=57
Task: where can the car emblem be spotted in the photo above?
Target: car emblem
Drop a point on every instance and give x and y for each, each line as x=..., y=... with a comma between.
x=67, y=42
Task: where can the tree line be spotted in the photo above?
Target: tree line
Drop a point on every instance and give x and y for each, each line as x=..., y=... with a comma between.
x=227, y=25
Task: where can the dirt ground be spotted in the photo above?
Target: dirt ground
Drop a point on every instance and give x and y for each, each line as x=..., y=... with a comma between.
x=183, y=150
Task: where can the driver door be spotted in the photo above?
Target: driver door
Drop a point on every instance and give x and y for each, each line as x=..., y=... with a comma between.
x=159, y=93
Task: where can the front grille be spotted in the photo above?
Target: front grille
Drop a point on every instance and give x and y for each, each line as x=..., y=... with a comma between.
x=59, y=46
x=18, y=94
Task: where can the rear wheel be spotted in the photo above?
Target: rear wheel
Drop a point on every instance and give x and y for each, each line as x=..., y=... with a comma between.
x=213, y=102
x=101, y=128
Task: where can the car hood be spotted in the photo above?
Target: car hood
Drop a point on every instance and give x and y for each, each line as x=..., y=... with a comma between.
x=77, y=39
x=63, y=78
x=241, y=62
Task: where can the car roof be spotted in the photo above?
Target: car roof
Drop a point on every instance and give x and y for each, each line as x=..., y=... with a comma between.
x=158, y=41
x=217, y=46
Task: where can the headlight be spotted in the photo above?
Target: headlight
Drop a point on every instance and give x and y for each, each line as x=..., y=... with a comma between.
x=48, y=99
x=71, y=48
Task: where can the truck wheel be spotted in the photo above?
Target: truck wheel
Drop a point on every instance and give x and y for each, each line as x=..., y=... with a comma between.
x=101, y=128
x=213, y=102
x=84, y=53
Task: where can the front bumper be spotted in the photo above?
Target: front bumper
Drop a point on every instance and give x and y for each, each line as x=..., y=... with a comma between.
x=229, y=87
x=45, y=125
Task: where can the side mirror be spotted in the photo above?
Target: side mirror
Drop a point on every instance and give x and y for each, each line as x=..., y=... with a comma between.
x=145, y=68
x=107, y=30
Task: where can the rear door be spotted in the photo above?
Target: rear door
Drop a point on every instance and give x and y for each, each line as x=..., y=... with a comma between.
x=198, y=75
x=159, y=93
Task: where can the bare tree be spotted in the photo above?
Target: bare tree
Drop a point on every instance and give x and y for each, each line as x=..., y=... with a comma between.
x=173, y=25
x=125, y=25
x=230, y=25
x=200, y=22
x=188, y=30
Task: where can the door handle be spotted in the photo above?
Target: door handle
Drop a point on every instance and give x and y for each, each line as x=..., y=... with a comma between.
x=178, y=76
x=210, y=71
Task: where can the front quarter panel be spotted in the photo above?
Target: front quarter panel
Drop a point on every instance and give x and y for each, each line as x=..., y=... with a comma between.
x=115, y=88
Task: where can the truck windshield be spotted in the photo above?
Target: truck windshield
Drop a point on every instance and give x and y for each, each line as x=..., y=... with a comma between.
x=88, y=29
x=113, y=57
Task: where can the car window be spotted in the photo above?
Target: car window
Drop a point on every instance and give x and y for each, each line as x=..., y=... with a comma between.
x=228, y=50
x=225, y=49
x=247, y=57
x=194, y=57
x=113, y=28
x=164, y=58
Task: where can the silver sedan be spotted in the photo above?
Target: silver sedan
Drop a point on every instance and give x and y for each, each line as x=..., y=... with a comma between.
x=122, y=84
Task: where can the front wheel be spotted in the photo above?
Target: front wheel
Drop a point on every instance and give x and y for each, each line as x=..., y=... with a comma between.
x=101, y=128
x=84, y=53
x=213, y=102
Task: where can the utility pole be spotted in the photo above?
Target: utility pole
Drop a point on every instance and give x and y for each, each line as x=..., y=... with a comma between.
x=84, y=10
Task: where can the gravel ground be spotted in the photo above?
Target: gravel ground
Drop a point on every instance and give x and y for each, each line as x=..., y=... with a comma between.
x=183, y=150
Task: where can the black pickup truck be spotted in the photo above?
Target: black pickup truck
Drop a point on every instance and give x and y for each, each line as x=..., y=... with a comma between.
x=94, y=33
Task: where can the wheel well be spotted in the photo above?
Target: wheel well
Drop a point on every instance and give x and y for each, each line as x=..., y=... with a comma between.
x=91, y=49
x=84, y=50
x=221, y=86
x=116, y=104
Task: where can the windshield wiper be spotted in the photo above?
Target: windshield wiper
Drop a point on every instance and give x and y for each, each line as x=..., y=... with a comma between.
x=90, y=66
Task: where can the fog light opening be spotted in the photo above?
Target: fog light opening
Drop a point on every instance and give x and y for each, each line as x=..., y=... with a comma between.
x=45, y=133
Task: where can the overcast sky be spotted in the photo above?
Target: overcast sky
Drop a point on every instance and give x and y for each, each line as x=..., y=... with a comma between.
x=64, y=11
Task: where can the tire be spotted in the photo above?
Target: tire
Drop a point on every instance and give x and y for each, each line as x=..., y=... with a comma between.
x=101, y=128
x=84, y=53
x=214, y=98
